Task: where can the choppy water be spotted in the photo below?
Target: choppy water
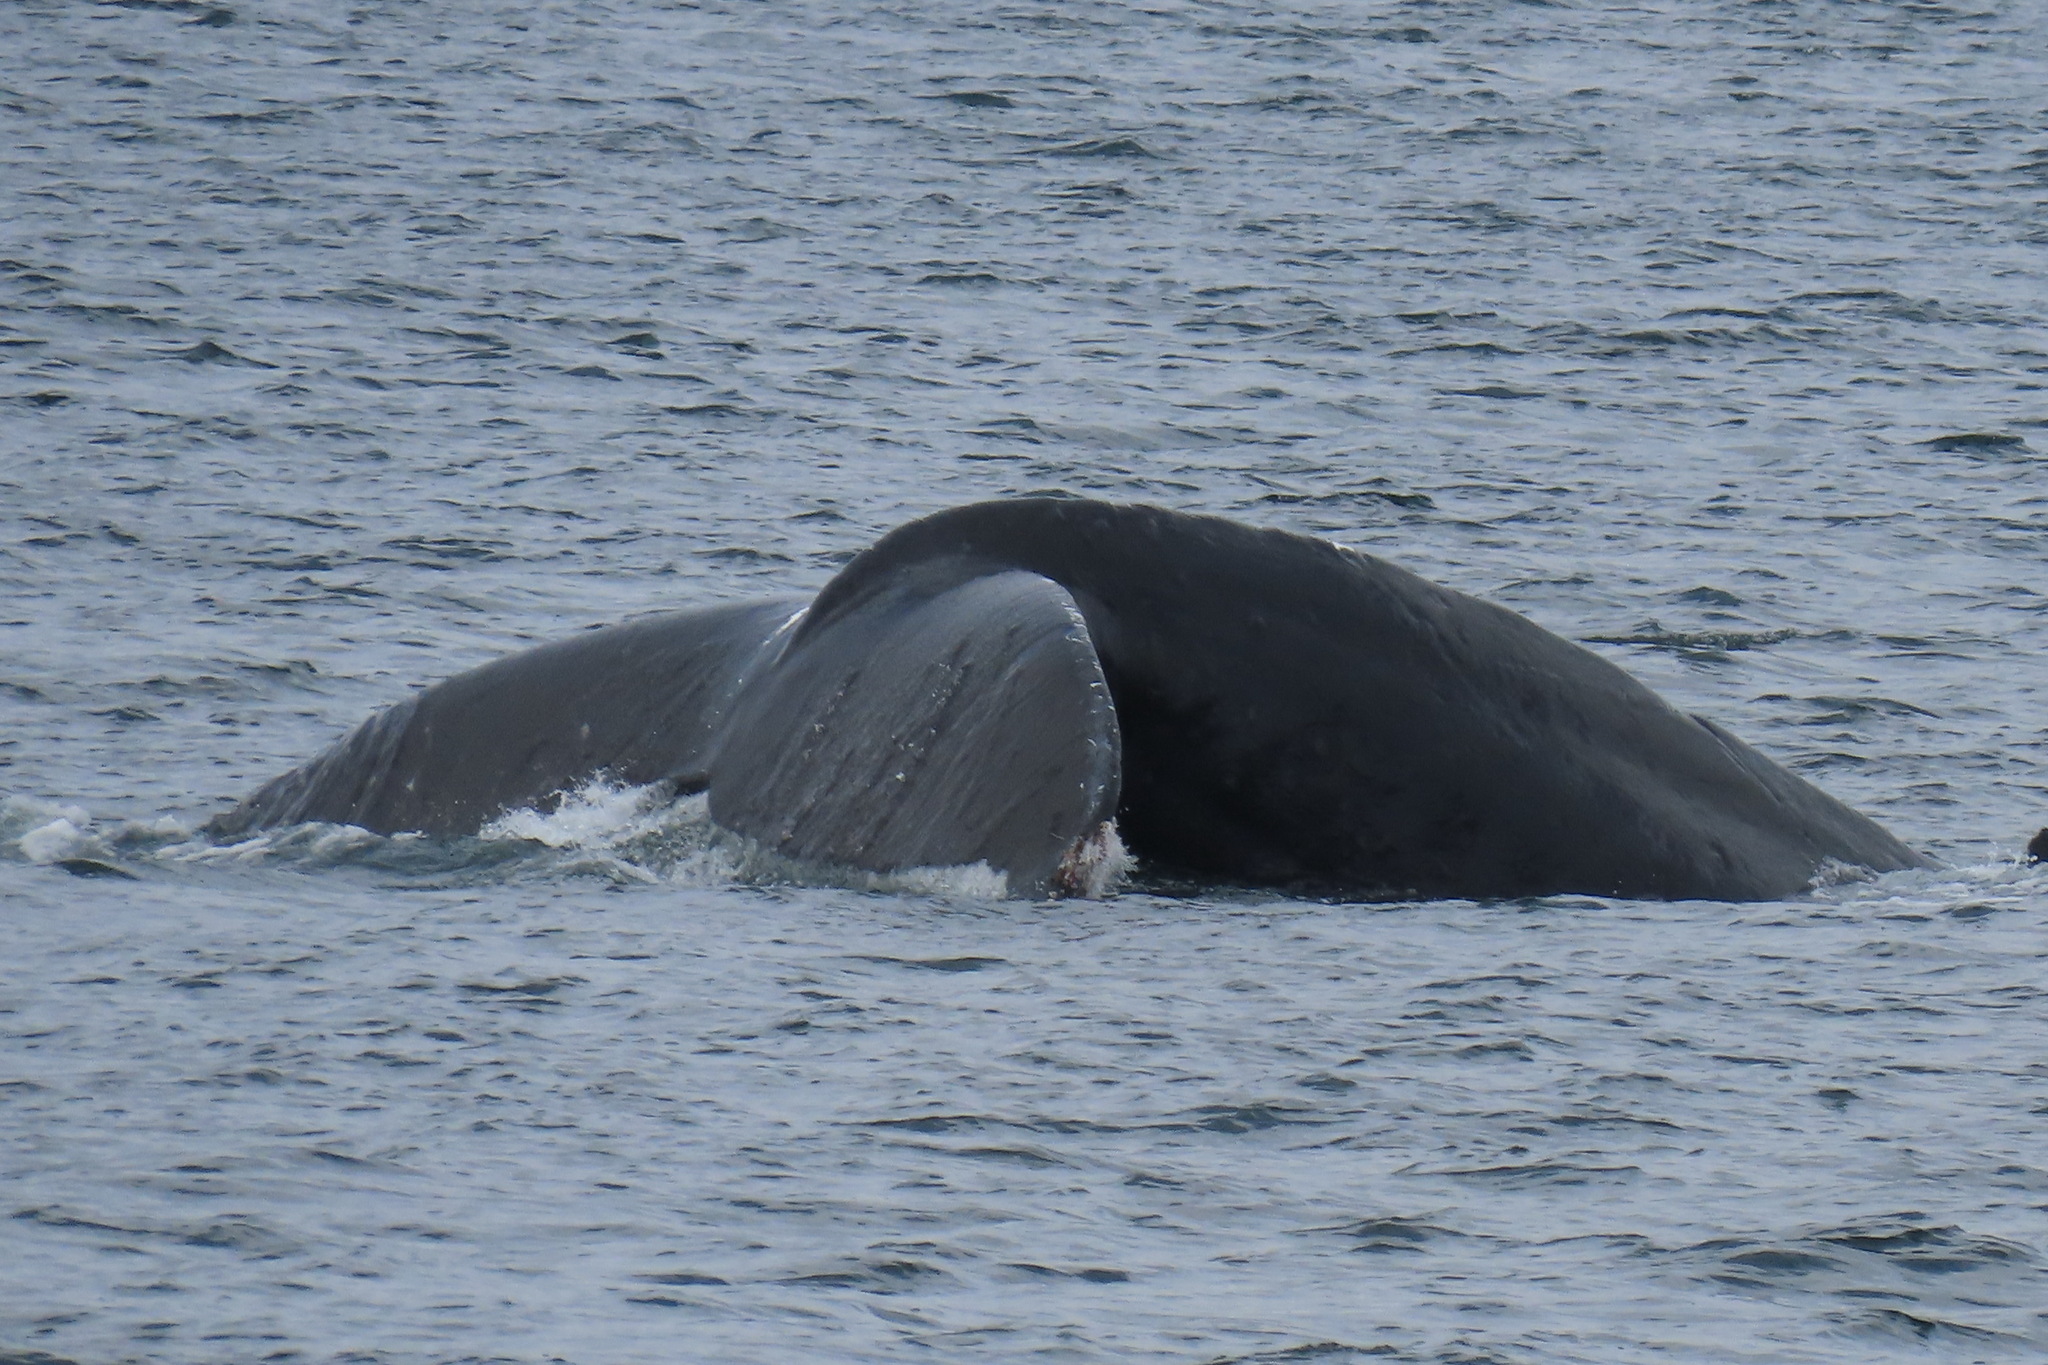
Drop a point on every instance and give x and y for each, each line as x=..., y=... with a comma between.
x=343, y=348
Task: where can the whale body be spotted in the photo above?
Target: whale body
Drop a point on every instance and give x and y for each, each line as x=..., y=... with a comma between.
x=1008, y=682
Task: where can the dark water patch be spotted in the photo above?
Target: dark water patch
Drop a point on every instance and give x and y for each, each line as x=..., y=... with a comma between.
x=749, y=231
x=1094, y=189
x=1498, y=391
x=212, y=353
x=1112, y=147
x=56, y=1217
x=459, y=548
x=1695, y=642
x=239, y=1234
x=440, y=225
x=1536, y=1174
x=1012, y=428
x=1572, y=1121
x=1325, y=1081
x=937, y=964
x=1505, y=1047
x=255, y=118
x=1393, y=497
x=1085, y=1274
x=1922, y=1327
x=527, y=989
x=1849, y=710
x=297, y=563
x=208, y=685
x=1976, y=910
x=1931, y=647
x=1238, y=1119
x=1518, y=979
x=478, y=345
x=976, y=99
x=745, y=554
x=38, y=401
x=1458, y=348
x=247, y=1237
x=1850, y=296
x=1977, y=442
x=1336, y=1352
x=290, y=670
x=1021, y=1156
x=892, y=1276
x=1748, y=314
x=653, y=140
x=681, y=1277
x=955, y=1123
x=96, y=867
x=338, y=1158
x=1770, y=1263
x=961, y=279
x=711, y=411
x=1383, y=1235
x=1941, y=1249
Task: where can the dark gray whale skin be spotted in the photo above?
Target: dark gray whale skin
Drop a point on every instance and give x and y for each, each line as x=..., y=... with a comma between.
x=993, y=682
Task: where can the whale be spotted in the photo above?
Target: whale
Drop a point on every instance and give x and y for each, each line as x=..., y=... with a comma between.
x=1030, y=683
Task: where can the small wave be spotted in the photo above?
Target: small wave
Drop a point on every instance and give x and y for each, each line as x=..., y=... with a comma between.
x=1709, y=643
x=1971, y=892
x=67, y=836
x=1976, y=442
x=1105, y=147
x=600, y=830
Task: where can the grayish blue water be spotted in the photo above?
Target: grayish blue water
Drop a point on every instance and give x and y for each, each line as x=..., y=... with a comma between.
x=344, y=347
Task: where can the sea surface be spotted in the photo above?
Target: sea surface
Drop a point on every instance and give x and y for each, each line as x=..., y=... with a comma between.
x=343, y=347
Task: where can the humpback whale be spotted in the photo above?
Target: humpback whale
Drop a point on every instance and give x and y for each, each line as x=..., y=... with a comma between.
x=1013, y=682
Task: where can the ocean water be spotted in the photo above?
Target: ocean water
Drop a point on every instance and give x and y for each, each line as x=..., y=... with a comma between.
x=342, y=348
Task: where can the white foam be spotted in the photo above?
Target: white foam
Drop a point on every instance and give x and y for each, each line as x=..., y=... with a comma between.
x=1096, y=863
x=621, y=833
x=596, y=813
x=59, y=839
x=1835, y=872
x=644, y=834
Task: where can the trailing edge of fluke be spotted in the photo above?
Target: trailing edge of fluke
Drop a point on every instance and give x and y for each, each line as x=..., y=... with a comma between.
x=998, y=683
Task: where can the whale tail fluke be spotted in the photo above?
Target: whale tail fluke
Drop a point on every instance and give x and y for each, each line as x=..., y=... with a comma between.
x=640, y=702
x=948, y=718
x=1019, y=683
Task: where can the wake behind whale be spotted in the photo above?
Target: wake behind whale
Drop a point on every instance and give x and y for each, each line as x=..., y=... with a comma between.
x=1016, y=682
